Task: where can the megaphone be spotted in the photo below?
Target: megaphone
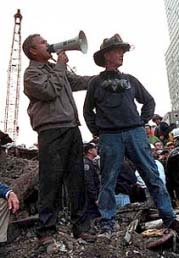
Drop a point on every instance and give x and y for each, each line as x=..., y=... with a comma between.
x=78, y=43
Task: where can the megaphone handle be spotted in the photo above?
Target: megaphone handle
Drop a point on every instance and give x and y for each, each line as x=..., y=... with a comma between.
x=53, y=59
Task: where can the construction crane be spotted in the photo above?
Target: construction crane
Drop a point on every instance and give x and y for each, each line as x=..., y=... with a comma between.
x=13, y=81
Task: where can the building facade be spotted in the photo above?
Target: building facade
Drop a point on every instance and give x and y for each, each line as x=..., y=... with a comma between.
x=172, y=53
x=172, y=118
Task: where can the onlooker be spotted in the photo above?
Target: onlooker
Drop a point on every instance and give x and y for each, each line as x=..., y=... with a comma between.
x=53, y=115
x=163, y=156
x=172, y=169
x=111, y=113
x=151, y=137
x=158, y=148
x=170, y=146
x=159, y=164
x=8, y=203
x=162, y=129
x=161, y=171
x=91, y=179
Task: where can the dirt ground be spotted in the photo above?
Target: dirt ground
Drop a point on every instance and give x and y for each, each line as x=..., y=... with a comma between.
x=25, y=244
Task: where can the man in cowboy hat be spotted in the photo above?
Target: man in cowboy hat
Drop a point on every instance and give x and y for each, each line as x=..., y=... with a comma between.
x=111, y=114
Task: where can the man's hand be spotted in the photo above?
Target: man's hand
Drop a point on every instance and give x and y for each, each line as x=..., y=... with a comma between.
x=62, y=58
x=13, y=202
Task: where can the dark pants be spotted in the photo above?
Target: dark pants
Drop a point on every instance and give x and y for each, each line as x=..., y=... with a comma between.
x=61, y=160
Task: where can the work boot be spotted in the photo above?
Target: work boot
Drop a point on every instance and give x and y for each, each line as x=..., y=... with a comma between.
x=85, y=233
x=106, y=228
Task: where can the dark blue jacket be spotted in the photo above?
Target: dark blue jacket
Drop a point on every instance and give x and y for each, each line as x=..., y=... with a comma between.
x=3, y=190
x=112, y=108
x=91, y=180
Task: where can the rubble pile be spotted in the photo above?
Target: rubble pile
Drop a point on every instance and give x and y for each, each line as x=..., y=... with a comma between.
x=128, y=240
x=12, y=167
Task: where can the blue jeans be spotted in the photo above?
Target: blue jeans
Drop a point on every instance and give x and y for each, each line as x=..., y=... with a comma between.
x=134, y=144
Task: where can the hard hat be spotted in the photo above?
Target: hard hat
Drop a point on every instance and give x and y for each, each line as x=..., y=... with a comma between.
x=175, y=132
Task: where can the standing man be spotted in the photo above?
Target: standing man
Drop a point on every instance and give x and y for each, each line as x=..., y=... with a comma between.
x=91, y=179
x=53, y=115
x=111, y=113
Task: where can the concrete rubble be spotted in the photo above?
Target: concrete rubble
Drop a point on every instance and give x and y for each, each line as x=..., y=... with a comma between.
x=133, y=238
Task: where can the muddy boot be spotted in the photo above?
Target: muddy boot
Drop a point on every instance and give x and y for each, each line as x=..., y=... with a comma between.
x=106, y=228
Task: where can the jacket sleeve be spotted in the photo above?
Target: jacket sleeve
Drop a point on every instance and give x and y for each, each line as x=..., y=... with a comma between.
x=78, y=82
x=143, y=97
x=89, y=109
x=44, y=86
x=3, y=190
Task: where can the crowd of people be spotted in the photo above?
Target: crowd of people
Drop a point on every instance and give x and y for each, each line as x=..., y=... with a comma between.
x=99, y=178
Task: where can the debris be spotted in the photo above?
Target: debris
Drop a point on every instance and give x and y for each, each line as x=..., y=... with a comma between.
x=156, y=238
x=131, y=221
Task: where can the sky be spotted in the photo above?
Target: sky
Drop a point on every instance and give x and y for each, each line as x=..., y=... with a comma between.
x=142, y=23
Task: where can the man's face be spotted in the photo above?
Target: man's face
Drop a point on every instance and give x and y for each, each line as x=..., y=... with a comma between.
x=39, y=49
x=157, y=121
x=114, y=57
x=171, y=147
x=93, y=152
x=148, y=130
x=158, y=146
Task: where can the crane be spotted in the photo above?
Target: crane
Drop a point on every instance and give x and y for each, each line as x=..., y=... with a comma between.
x=13, y=81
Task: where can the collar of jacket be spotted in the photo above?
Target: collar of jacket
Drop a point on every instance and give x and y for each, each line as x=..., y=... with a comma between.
x=38, y=64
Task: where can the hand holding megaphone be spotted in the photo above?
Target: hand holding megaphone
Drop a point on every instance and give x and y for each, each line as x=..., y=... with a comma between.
x=62, y=57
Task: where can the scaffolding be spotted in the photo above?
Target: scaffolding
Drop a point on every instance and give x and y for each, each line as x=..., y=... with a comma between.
x=13, y=82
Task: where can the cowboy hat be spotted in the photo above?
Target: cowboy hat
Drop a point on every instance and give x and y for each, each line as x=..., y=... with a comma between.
x=107, y=45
